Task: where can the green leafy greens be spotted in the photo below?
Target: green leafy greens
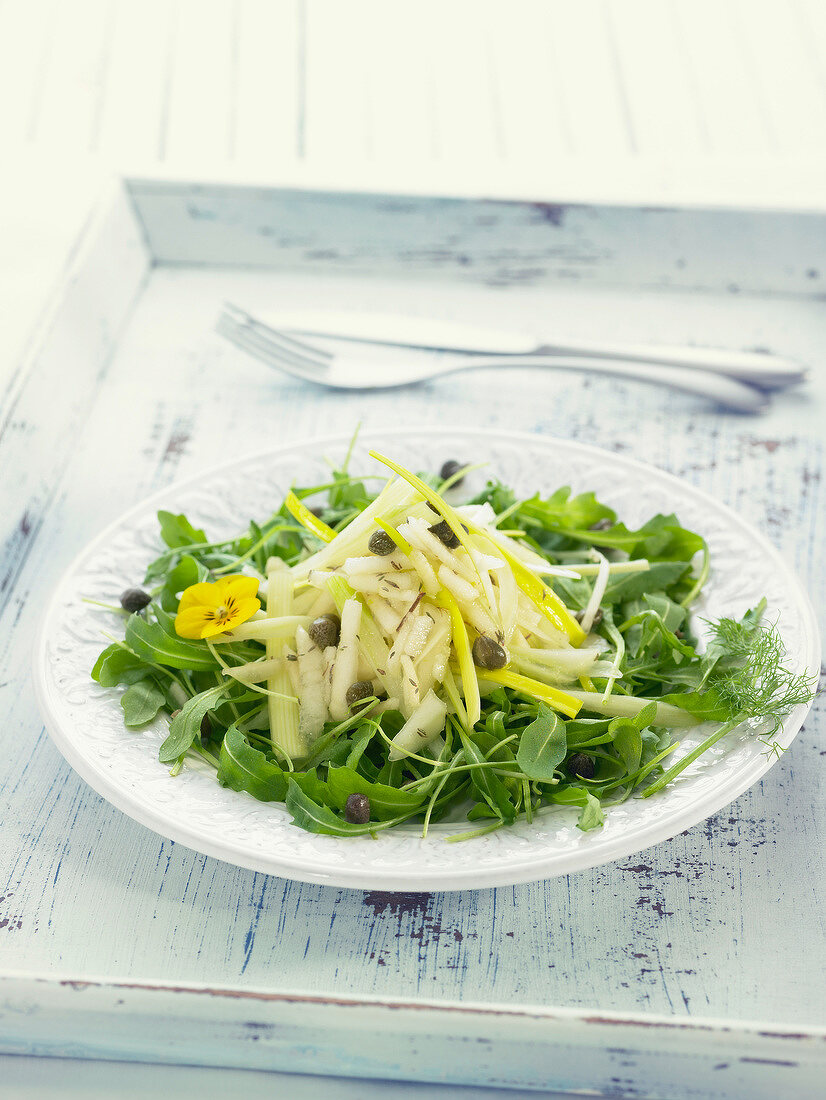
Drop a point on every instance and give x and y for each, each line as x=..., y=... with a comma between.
x=521, y=757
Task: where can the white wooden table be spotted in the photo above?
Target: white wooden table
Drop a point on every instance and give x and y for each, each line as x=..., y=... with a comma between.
x=530, y=81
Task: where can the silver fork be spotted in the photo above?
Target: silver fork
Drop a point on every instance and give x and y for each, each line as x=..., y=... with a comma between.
x=350, y=371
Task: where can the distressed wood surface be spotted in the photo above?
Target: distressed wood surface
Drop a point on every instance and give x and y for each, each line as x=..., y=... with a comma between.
x=725, y=920
x=598, y=1054
x=29, y=1078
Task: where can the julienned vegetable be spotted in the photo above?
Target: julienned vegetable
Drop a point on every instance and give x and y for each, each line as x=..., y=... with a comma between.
x=399, y=656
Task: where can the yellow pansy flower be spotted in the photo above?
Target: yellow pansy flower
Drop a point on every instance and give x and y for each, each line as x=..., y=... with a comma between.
x=209, y=609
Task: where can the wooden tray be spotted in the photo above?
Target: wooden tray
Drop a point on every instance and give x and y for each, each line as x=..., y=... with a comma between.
x=636, y=979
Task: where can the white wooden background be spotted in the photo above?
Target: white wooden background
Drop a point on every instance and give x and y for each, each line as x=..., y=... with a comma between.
x=439, y=80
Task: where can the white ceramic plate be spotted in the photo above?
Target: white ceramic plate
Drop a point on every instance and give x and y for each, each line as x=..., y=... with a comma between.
x=86, y=723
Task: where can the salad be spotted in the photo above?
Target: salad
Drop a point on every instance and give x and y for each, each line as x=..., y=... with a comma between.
x=371, y=655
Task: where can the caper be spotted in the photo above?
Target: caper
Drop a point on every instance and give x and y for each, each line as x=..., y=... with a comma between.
x=445, y=533
x=361, y=689
x=324, y=630
x=596, y=620
x=381, y=544
x=488, y=653
x=581, y=766
x=134, y=599
x=357, y=809
x=601, y=525
x=450, y=468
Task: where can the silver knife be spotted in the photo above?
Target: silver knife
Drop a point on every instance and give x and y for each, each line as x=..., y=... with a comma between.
x=761, y=368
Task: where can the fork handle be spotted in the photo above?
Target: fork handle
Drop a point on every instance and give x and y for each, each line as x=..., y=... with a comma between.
x=759, y=367
x=726, y=391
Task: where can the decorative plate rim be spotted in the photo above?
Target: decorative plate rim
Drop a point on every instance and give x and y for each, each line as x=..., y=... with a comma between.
x=591, y=850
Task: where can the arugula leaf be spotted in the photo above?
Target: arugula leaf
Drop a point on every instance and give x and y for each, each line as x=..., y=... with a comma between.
x=308, y=814
x=358, y=746
x=562, y=511
x=244, y=768
x=660, y=539
x=497, y=495
x=392, y=773
x=671, y=614
x=591, y=815
x=706, y=706
x=151, y=641
x=629, y=586
x=117, y=665
x=489, y=786
x=178, y=531
x=656, y=655
x=542, y=746
x=627, y=736
x=348, y=495
x=575, y=592
x=385, y=802
x=141, y=703
x=185, y=727
x=312, y=786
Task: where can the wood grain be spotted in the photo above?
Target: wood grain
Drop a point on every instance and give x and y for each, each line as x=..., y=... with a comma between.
x=367, y=82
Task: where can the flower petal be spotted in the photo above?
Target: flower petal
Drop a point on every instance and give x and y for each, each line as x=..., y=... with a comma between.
x=201, y=595
x=215, y=626
x=191, y=622
x=239, y=586
x=244, y=609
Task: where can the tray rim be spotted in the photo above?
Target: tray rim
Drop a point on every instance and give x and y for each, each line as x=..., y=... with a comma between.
x=415, y=1040
x=585, y=187
x=764, y=1028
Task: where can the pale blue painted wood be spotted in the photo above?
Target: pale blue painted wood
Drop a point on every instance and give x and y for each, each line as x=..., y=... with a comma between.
x=725, y=920
x=441, y=1043
x=491, y=239
x=27, y=1078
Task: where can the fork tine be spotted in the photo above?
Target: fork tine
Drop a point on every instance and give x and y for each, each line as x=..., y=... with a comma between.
x=270, y=346
x=282, y=355
x=291, y=343
x=273, y=357
x=243, y=335
x=306, y=353
x=271, y=353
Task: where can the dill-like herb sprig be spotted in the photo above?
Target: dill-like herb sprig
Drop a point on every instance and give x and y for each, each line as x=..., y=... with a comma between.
x=746, y=672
